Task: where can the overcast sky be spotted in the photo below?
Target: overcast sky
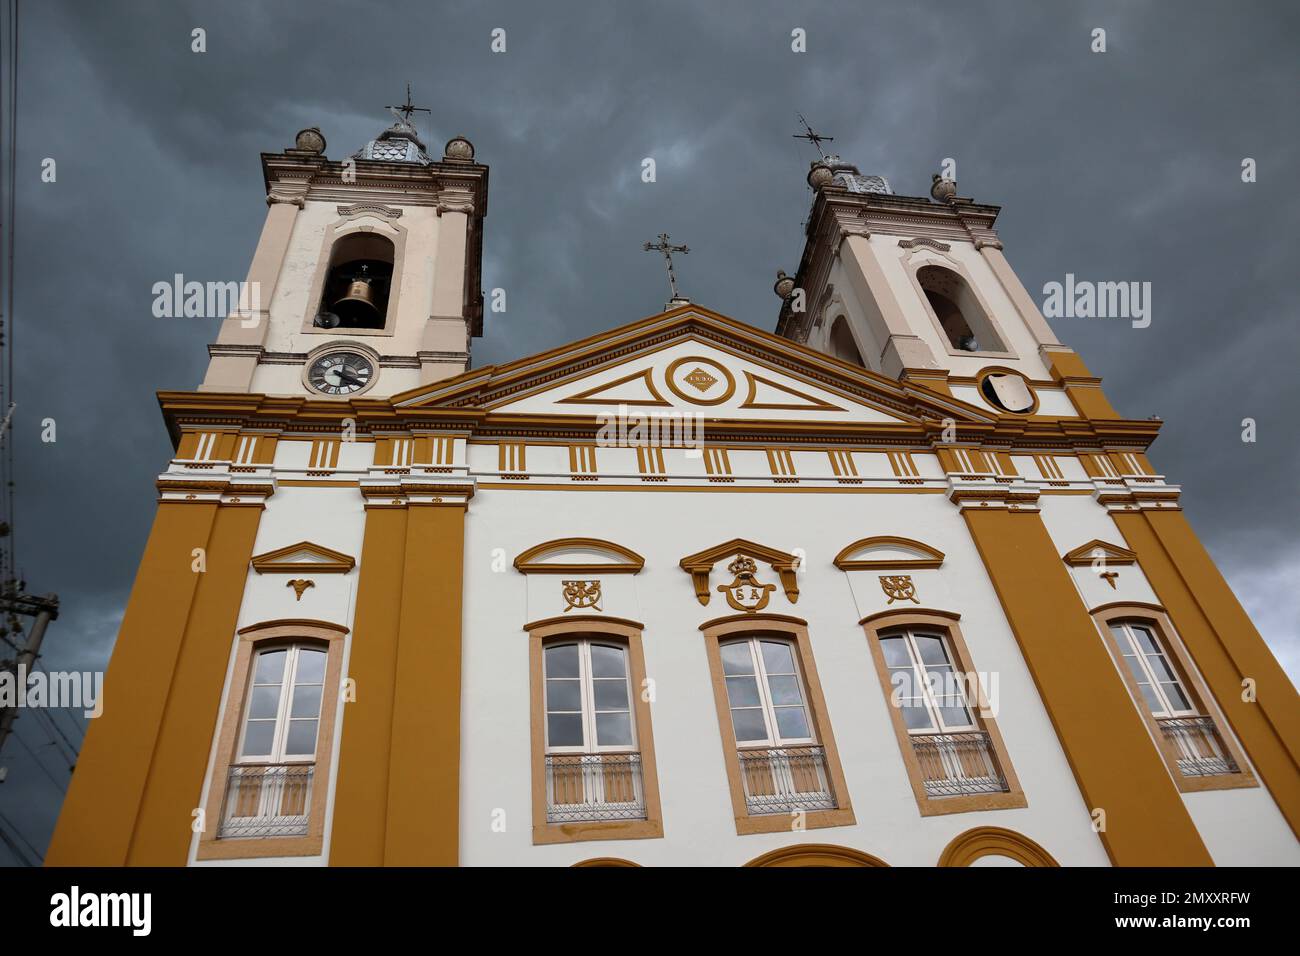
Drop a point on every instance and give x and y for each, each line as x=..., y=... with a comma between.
x=1114, y=166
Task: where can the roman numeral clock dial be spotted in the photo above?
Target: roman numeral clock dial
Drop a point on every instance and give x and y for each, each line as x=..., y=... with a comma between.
x=341, y=373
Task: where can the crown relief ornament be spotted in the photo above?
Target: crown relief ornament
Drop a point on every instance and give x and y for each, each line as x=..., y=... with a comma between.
x=746, y=592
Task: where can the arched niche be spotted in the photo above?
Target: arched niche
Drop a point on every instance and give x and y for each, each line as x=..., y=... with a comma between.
x=816, y=854
x=981, y=842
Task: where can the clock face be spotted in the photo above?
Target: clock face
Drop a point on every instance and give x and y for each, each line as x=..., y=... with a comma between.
x=340, y=373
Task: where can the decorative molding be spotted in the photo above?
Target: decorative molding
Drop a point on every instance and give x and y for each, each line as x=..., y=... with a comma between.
x=700, y=565
x=300, y=585
x=924, y=241
x=816, y=854
x=586, y=397
x=1085, y=556
x=304, y=556
x=813, y=404
x=626, y=560
x=968, y=847
x=926, y=556
x=374, y=208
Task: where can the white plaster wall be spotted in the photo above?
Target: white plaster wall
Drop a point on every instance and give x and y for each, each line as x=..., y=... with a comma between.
x=333, y=518
x=698, y=821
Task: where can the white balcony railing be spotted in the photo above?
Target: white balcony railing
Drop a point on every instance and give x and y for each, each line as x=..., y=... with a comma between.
x=267, y=800
x=785, y=779
x=1200, y=749
x=593, y=787
x=954, y=765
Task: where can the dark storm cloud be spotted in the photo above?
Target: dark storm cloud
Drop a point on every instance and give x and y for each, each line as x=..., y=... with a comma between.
x=1115, y=166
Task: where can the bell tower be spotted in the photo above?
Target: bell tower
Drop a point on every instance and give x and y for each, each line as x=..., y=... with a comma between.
x=367, y=275
x=918, y=289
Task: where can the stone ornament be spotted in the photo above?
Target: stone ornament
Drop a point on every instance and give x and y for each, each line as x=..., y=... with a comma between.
x=746, y=592
x=309, y=140
x=898, y=587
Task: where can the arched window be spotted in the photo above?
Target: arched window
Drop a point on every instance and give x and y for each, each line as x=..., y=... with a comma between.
x=841, y=343
x=1173, y=699
x=358, y=283
x=777, y=742
x=275, y=742
x=958, y=311
x=594, y=774
x=955, y=758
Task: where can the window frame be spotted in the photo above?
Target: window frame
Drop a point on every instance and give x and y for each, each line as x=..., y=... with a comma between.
x=945, y=624
x=227, y=753
x=587, y=695
x=1156, y=619
x=908, y=634
x=766, y=707
x=600, y=629
x=284, y=704
x=795, y=630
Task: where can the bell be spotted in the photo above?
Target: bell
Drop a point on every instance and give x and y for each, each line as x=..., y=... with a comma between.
x=357, y=306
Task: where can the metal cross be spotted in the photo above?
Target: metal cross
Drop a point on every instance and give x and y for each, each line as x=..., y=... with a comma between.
x=813, y=136
x=667, y=249
x=404, y=111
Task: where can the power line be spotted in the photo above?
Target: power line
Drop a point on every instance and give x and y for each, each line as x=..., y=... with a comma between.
x=62, y=787
x=17, y=831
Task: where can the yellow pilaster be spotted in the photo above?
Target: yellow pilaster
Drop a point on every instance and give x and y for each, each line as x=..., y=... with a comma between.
x=1109, y=749
x=399, y=767
x=115, y=767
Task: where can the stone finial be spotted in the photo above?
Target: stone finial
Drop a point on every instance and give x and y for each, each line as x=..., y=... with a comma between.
x=309, y=140
x=784, y=285
x=943, y=189
x=459, y=148
x=819, y=174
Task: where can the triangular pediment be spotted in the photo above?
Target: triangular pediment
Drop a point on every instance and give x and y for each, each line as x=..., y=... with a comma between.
x=1098, y=551
x=692, y=361
x=304, y=556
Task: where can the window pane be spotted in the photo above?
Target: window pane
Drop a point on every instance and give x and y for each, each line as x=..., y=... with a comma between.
x=306, y=701
x=563, y=695
x=777, y=657
x=270, y=667
x=562, y=661
x=792, y=722
x=895, y=651
x=736, y=658
x=1160, y=667
x=311, y=667
x=916, y=717
x=930, y=649
x=742, y=691
x=614, y=730
x=749, y=724
x=785, y=690
x=610, y=694
x=607, y=661
x=1145, y=640
x=265, y=702
x=956, y=716
x=564, y=730
x=302, y=737
x=1152, y=699
x=257, y=738
x=1177, y=699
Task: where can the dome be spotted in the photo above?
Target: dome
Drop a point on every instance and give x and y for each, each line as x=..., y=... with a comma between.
x=400, y=143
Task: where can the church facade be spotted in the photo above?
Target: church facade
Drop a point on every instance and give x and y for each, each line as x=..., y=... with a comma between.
x=892, y=585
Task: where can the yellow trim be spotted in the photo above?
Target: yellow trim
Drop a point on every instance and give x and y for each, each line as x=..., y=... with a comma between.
x=933, y=556
x=816, y=854
x=700, y=565
x=965, y=848
x=332, y=562
x=645, y=375
x=528, y=561
x=1084, y=555
x=812, y=404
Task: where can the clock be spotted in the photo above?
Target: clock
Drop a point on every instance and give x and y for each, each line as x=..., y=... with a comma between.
x=340, y=373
